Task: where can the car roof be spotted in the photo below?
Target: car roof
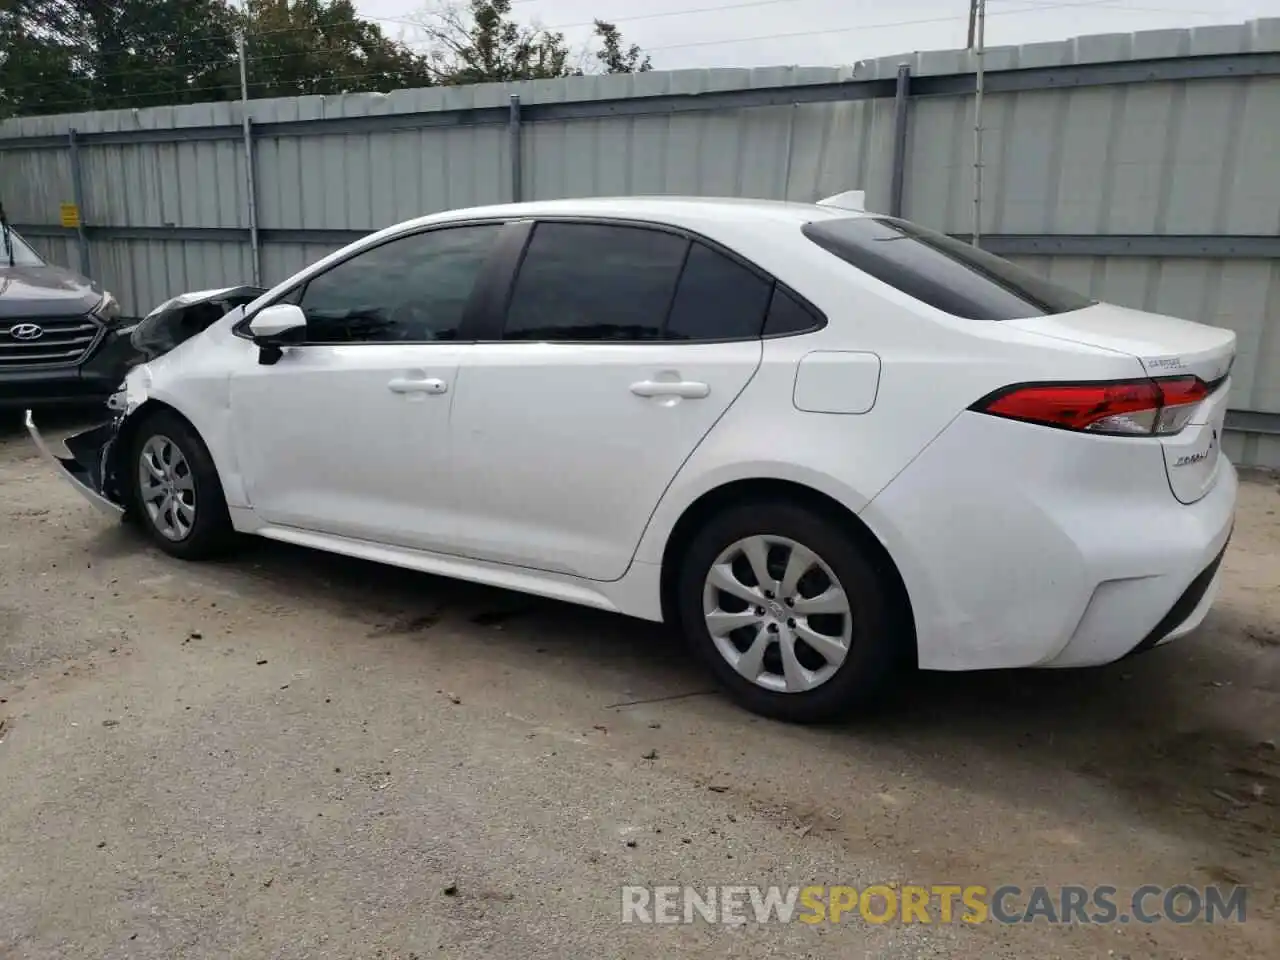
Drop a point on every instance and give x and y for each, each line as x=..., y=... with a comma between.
x=674, y=210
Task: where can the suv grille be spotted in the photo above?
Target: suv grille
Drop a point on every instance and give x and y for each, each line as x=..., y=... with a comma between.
x=61, y=341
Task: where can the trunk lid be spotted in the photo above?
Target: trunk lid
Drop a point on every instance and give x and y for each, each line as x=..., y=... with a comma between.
x=1164, y=347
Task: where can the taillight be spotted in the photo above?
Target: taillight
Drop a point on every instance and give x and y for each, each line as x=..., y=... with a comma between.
x=1117, y=408
x=1179, y=399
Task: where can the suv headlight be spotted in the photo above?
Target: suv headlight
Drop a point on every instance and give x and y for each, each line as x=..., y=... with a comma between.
x=108, y=310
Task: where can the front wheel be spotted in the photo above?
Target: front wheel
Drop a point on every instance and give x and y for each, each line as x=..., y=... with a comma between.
x=788, y=613
x=177, y=496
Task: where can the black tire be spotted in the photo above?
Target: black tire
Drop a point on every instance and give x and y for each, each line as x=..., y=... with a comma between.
x=210, y=533
x=876, y=647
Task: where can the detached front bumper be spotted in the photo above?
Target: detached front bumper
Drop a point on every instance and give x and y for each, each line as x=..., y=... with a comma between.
x=89, y=467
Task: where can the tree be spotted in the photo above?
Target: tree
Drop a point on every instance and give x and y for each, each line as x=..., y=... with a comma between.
x=322, y=46
x=612, y=55
x=39, y=57
x=482, y=43
x=58, y=56
x=146, y=54
x=64, y=55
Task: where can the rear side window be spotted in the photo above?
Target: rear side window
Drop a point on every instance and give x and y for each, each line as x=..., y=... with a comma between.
x=717, y=299
x=607, y=282
x=584, y=281
x=947, y=274
x=788, y=315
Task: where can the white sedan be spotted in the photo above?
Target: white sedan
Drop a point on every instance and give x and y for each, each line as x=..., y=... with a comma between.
x=825, y=444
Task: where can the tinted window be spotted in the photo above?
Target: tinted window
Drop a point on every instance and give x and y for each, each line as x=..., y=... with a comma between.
x=788, y=315
x=952, y=276
x=412, y=289
x=583, y=281
x=717, y=299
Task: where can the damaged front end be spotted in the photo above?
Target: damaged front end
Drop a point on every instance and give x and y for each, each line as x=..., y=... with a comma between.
x=94, y=465
x=178, y=320
x=91, y=466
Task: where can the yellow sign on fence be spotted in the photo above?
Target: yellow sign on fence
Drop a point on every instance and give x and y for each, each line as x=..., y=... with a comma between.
x=70, y=216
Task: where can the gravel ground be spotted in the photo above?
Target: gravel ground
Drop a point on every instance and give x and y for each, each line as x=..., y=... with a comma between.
x=294, y=755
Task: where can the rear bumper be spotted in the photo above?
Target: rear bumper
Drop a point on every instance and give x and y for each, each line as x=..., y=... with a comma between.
x=84, y=471
x=1023, y=546
x=1115, y=622
x=92, y=381
x=1189, y=610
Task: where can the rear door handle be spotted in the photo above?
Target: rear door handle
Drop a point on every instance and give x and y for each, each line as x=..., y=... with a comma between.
x=688, y=389
x=431, y=385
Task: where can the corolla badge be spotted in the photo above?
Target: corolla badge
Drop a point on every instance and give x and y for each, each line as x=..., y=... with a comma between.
x=26, y=331
x=1191, y=458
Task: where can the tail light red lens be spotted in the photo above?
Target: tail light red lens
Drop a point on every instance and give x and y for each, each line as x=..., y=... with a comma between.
x=1179, y=399
x=1117, y=408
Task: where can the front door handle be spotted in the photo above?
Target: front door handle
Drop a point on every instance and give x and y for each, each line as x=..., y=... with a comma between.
x=687, y=389
x=431, y=385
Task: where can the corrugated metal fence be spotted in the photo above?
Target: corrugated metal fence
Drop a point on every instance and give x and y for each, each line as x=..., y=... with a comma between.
x=1141, y=168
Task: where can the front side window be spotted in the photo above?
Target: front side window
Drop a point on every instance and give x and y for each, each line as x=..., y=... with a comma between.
x=410, y=290
x=945, y=273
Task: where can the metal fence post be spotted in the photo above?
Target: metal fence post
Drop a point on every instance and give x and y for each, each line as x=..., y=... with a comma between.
x=250, y=188
x=900, y=101
x=791, y=145
x=513, y=130
x=77, y=195
x=246, y=125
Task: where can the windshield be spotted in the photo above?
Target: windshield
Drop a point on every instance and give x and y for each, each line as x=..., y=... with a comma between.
x=23, y=255
x=947, y=274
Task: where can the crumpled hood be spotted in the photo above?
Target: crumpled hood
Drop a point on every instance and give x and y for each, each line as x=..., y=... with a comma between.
x=45, y=291
x=185, y=316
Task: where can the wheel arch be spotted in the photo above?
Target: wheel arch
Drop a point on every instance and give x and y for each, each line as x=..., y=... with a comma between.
x=719, y=498
x=119, y=464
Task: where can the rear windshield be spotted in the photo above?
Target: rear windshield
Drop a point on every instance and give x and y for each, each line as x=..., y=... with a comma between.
x=952, y=276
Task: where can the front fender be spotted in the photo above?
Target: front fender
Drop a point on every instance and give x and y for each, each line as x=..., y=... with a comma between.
x=96, y=464
x=181, y=342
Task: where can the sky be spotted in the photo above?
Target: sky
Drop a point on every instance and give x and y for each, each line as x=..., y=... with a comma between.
x=680, y=34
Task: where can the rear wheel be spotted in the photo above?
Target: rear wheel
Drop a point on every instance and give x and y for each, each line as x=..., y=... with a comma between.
x=788, y=612
x=177, y=496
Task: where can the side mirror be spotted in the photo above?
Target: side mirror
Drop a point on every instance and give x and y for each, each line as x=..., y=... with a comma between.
x=275, y=327
x=270, y=324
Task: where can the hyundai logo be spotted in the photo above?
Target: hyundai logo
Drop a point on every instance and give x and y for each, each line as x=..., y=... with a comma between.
x=26, y=331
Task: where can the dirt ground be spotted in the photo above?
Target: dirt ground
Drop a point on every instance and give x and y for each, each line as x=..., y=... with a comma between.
x=293, y=755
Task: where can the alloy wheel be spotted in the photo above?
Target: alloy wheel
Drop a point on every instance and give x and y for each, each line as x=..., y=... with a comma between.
x=777, y=613
x=168, y=488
